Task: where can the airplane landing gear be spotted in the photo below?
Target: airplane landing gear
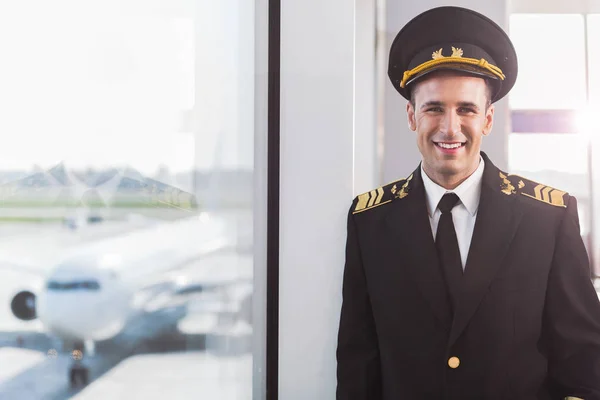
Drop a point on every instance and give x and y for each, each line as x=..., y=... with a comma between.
x=78, y=372
x=78, y=376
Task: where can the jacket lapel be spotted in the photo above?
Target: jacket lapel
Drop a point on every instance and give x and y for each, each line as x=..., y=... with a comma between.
x=409, y=229
x=495, y=226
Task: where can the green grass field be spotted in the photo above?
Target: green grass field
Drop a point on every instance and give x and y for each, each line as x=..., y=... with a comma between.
x=118, y=204
x=38, y=220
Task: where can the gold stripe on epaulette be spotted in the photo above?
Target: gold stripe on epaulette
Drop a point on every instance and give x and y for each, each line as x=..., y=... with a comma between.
x=363, y=199
x=543, y=192
x=548, y=195
x=557, y=198
x=369, y=200
x=356, y=210
x=379, y=195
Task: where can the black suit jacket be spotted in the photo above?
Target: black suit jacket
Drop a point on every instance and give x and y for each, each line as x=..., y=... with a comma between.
x=527, y=323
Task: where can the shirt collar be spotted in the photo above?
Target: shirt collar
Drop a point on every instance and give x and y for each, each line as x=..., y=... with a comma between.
x=468, y=191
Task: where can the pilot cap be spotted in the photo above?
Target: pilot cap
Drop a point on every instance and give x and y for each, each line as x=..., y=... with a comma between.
x=453, y=38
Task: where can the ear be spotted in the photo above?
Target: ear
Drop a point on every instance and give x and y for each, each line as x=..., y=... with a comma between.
x=489, y=120
x=410, y=113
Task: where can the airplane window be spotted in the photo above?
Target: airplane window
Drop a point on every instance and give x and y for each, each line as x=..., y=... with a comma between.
x=85, y=285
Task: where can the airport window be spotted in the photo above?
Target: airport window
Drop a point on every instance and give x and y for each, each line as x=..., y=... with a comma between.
x=594, y=60
x=126, y=188
x=558, y=58
x=553, y=139
x=558, y=160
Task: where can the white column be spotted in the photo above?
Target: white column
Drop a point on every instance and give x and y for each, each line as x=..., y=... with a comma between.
x=401, y=155
x=259, y=223
x=320, y=175
x=366, y=161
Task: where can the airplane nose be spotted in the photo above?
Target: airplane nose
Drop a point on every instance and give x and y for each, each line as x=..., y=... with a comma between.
x=83, y=304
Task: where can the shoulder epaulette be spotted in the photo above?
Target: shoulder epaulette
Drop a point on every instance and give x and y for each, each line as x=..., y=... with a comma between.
x=382, y=195
x=512, y=184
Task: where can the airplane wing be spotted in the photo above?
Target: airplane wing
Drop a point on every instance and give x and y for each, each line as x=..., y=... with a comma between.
x=31, y=254
x=218, y=283
x=22, y=265
x=17, y=253
x=203, y=287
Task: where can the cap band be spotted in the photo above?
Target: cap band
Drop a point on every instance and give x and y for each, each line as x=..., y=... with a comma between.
x=455, y=59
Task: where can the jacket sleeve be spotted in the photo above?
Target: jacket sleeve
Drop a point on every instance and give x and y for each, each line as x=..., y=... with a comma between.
x=358, y=363
x=572, y=315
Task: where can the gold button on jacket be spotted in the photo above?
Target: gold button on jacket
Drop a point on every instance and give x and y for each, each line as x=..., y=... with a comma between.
x=453, y=362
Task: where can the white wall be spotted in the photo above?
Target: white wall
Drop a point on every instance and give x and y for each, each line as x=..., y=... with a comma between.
x=401, y=155
x=327, y=156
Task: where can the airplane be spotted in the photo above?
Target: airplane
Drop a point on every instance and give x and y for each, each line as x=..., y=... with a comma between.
x=93, y=293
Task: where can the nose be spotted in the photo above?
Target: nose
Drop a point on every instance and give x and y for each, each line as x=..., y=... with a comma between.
x=450, y=125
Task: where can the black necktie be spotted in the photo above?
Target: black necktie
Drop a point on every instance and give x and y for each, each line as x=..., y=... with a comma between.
x=447, y=247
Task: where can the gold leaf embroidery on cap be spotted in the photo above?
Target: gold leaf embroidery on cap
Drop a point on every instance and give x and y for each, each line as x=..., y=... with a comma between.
x=456, y=52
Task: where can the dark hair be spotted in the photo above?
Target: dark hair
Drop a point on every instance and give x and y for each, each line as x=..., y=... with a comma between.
x=489, y=90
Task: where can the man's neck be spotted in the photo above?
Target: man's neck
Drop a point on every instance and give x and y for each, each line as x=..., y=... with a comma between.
x=449, y=182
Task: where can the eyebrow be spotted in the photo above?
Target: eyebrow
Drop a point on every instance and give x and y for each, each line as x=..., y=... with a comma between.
x=432, y=104
x=467, y=104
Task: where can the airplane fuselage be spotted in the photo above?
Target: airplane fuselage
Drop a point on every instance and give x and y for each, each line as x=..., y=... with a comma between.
x=90, y=294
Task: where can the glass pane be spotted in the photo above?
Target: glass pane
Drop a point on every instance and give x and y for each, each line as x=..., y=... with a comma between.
x=594, y=60
x=551, y=53
x=126, y=247
x=557, y=160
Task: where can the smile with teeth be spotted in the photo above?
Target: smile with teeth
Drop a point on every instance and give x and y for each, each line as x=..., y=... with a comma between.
x=449, y=145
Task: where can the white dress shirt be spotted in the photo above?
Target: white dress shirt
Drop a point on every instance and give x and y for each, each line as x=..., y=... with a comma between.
x=465, y=211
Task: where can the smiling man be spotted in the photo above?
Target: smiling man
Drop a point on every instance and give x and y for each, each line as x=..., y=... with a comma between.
x=462, y=281
x=450, y=113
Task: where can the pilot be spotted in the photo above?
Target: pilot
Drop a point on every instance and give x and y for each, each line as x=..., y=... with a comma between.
x=462, y=281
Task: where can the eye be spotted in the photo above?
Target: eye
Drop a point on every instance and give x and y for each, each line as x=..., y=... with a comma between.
x=434, y=109
x=466, y=110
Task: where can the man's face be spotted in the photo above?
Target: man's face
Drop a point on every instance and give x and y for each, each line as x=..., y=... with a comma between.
x=450, y=118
